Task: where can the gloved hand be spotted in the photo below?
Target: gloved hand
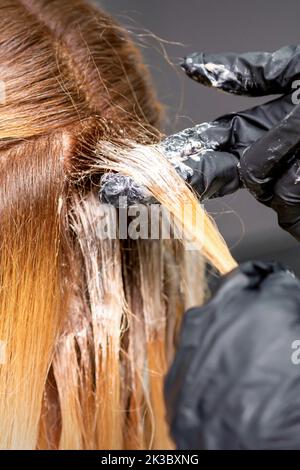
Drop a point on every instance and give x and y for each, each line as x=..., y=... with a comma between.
x=217, y=158
x=233, y=384
x=265, y=139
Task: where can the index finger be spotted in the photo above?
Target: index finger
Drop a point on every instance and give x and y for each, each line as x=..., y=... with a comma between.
x=251, y=73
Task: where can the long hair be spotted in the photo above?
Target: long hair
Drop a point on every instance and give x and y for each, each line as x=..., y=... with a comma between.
x=89, y=324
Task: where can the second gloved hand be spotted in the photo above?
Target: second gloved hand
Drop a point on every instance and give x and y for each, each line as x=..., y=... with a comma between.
x=234, y=384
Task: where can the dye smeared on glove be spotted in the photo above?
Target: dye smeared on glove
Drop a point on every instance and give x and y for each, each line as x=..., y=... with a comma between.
x=122, y=191
x=191, y=154
x=265, y=139
x=233, y=384
x=251, y=73
x=257, y=148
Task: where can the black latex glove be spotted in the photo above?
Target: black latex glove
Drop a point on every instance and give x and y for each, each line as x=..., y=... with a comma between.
x=233, y=384
x=208, y=156
x=269, y=163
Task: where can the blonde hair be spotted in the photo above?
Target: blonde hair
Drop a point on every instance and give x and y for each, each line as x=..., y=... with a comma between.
x=89, y=325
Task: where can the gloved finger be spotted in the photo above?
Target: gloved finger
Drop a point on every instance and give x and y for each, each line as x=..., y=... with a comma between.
x=264, y=161
x=214, y=174
x=122, y=191
x=286, y=200
x=252, y=73
x=232, y=132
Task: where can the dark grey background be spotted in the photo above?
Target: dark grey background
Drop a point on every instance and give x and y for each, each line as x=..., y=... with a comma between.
x=215, y=26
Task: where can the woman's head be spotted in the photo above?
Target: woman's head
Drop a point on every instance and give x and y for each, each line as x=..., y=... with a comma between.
x=89, y=325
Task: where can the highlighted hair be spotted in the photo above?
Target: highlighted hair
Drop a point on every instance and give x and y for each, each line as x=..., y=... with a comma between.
x=89, y=325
